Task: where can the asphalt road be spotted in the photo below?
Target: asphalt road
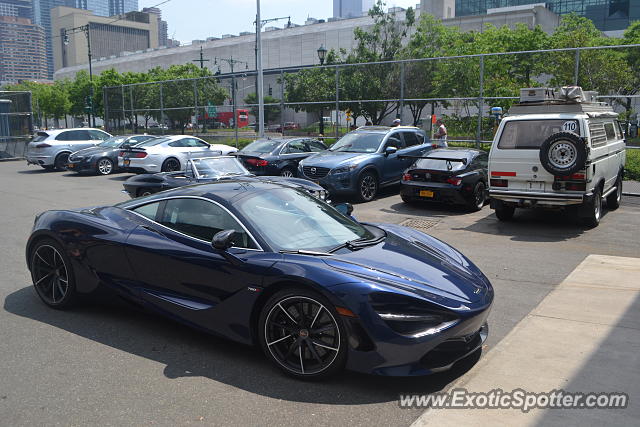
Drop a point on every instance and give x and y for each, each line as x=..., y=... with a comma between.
x=108, y=364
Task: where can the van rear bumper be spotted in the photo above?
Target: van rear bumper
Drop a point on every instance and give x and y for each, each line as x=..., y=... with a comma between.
x=532, y=197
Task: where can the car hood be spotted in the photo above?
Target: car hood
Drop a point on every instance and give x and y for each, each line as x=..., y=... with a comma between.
x=296, y=182
x=417, y=263
x=93, y=151
x=331, y=159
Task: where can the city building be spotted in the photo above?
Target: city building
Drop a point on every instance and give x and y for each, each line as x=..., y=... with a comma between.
x=22, y=50
x=41, y=15
x=106, y=7
x=347, y=8
x=163, y=29
x=133, y=32
x=607, y=15
x=18, y=8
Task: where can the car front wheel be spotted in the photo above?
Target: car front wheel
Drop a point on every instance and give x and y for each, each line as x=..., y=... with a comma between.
x=52, y=275
x=301, y=333
x=367, y=187
x=104, y=166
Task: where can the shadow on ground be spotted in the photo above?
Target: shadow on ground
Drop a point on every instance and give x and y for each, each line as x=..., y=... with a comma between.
x=186, y=352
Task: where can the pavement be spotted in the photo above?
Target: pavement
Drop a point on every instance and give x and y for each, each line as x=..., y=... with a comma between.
x=108, y=364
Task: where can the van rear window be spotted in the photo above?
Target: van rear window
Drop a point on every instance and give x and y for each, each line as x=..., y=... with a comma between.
x=530, y=134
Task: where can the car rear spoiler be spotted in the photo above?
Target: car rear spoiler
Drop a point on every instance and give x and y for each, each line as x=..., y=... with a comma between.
x=463, y=160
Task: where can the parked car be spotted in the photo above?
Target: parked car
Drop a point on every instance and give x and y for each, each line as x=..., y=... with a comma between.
x=563, y=149
x=365, y=159
x=209, y=169
x=168, y=154
x=457, y=176
x=270, y=265
x=287, y=126
x=279, y=156
x=51, y=148
x=103, y=158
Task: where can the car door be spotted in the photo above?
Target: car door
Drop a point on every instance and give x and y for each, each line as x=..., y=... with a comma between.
x=293, y=152
x=179, y=272
x=414, y=146
x=77, y=139
x=393, y=165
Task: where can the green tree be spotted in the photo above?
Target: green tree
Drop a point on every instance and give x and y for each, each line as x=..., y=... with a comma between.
x=271, y=112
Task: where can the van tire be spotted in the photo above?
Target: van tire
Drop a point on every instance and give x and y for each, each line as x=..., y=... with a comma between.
x=563, y=154
x=505, y=212
x=614, y=199
x=591, y=211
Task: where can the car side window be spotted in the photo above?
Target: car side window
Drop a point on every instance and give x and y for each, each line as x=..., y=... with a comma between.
x=420, y=138
x=316, y=146
x=202, y=220
x=98, y=135
x=295, y=147
x=483, y=160
x=178, y=143
x=196, y=143
x=63, y=136
x=410, y=138
x=148, y=211
x=77, y=135
x=395, y=141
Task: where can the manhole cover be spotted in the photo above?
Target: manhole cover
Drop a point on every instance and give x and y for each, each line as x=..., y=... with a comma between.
x=419, y=224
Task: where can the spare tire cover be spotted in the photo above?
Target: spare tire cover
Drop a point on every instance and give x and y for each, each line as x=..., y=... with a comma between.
x=563, y=153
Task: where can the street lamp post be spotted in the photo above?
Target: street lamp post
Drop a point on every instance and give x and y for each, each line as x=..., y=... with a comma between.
x=322, y=54
x=65, y=40
x=259, y=87
x=232, y=62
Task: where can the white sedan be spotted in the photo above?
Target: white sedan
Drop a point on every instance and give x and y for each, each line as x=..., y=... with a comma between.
x=168, y=154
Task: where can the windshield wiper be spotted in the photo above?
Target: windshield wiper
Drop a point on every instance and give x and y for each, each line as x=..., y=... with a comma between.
x=304, y=252
x=356, y=244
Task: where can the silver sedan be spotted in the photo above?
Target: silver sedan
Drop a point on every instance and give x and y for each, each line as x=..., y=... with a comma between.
x=168, y=154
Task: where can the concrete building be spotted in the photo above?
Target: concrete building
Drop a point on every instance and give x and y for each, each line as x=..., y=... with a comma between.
x=163, y=28
x=41, y=15
x=106, y=7
x=347, y=8
x=22, y=50
x=135, y=32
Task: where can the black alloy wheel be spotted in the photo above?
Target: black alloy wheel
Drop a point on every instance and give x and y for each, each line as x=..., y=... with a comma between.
x=61, y=161
x=302, y=334
x=104, y=166
x=171, y=165
x=52, y=275
x=478, y=197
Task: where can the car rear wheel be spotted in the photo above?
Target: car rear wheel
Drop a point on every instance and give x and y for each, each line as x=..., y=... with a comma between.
x=367, y=187
x=61, y=161
x=144, y=192
x=614, y=199
x=104, y=166
x=301, y=333
x=287, y=173
x=171, y=165
x=476, y=202
x=52, y=275
x=408, y=200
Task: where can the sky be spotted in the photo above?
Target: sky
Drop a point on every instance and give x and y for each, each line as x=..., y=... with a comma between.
x=198, y=19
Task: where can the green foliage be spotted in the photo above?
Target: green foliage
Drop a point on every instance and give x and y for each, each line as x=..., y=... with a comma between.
x=632, y=166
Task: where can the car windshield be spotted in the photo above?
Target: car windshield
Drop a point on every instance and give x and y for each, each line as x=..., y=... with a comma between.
x=359, y=142
x=152, y=142
x=113, y=142
x=219, y=167
x=262, y=146
x=292, y=220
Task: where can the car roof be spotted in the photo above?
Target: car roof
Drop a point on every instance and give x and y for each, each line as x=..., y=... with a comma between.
x=53, y=132
x=384, y=129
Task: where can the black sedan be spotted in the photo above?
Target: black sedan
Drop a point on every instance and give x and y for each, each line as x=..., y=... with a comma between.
x=209, y=169
x=278, y=156
x=457, y=176
x=103, y=158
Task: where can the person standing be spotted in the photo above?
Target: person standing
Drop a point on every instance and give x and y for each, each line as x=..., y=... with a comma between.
x=441, y=134
x=396, y=123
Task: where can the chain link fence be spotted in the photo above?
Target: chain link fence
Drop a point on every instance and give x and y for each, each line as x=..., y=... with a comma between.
x=16, y=123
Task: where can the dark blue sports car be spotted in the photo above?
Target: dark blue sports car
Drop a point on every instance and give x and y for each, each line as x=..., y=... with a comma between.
x=266, y=264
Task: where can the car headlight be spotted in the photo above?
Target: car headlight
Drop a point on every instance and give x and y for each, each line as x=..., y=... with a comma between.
x=343, y=169
x=411, y=317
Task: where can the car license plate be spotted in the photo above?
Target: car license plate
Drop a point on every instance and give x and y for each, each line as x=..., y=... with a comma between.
x=127, y=162
x=70, y=166
x=426, y=193
x=535, y=185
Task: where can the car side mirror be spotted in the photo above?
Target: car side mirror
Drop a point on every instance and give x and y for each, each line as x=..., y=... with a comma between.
x=223, y=240
x=390, y=150
x=345, y=209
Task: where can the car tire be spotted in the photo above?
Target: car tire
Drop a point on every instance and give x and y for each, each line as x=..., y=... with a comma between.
x=48, y=168
x=170, y=165
x=563, y=154
x=591, y=211
x=408, y=200
x=287, y=172
x=105, y=166
x=367, y=187
x=505, y=212
x=60, y=163
x=144, y=192
x=52, y=274
x=478, y=197
x=614, y=199
x=287, y=337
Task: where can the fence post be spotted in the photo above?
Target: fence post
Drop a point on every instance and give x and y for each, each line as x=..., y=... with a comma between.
x=30, y=106
x=576, y=70
x=402, y=78
x=282, y=100
x=134, y=117
x=480, y=103
x=161, y=109
x=124, y=114
x=235, y=113
x=105, y=107
x=337, y=102
x=195, y=103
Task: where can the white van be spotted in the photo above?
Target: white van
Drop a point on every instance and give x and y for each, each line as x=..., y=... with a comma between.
x=557, y=149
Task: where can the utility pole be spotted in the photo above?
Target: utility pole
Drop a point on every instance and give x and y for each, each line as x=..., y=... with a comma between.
x=232, y=62
x=201, y=60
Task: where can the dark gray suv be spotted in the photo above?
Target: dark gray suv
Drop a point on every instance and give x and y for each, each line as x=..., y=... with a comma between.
x=365, y=159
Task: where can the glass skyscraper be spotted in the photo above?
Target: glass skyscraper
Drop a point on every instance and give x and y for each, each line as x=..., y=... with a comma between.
x=607, y=15
x=107, y=7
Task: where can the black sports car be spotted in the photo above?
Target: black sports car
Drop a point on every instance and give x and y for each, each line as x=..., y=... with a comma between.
x=278, y=156
x=209, y=169
x=457, y=176
x=103, y=158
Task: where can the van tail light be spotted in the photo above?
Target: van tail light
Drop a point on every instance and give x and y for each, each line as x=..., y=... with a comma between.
x=257, y=162
x=499, y=183
x=454, y=181
x=139, y=155
x=579, y=176
x=406, y=177
x=43, y=146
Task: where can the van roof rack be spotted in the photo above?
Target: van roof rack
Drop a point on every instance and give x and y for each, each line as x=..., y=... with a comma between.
x=567, y=99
